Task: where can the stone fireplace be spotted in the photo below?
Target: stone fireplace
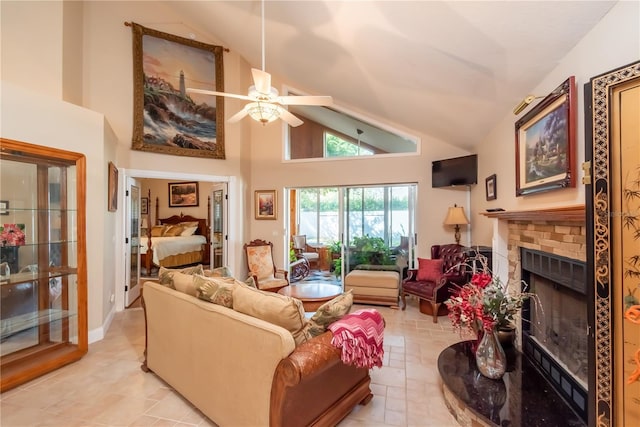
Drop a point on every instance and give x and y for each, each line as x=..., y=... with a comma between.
x=547, y=250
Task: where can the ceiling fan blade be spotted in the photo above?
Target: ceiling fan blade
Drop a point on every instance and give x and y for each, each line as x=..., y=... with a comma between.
x=211, y=92
x=261, y=80
x=289, y=118
x=305, y=100
x=238, y=116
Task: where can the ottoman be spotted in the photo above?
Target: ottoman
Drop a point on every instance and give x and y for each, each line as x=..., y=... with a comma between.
x=374, y=287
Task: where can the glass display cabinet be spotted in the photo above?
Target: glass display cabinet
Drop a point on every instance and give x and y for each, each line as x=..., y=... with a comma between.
x=43, y=277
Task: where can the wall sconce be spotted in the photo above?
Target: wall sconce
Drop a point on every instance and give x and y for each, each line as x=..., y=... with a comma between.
x=456, y=217
x=524, y=104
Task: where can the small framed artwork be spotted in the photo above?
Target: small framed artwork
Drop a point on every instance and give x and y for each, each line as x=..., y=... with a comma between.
x=266, y=204
x=4, y=207
x=491, y=188
x=113, y=188
x=144, y=205
x=183, y=194
x=545, y=143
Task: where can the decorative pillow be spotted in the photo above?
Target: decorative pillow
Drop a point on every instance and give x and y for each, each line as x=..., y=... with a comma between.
x=165, y=275
x=157, y=230
x=330, y=312
x=188, y=224
x=172, y=231
x=274, y=308
x=188, y=231
x=429, y=269
x=218, y=272
x=218, y=290
x=184, y=283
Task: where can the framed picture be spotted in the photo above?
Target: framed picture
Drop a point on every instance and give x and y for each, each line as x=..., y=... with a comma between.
x=491, y=188
x=4, y=207
x=545, y=143
x=183, y=194
x=144, y=205
x=166, y=118
x=266, y=204
x=112, y=201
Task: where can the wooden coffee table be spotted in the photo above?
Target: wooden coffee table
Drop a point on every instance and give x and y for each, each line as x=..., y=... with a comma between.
x=313, y=294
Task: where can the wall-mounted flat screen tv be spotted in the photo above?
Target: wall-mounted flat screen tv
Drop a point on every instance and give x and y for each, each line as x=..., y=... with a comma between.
x=455, y=171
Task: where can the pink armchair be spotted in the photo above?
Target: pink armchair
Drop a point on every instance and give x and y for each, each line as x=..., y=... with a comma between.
x=262, y=267
x=436, y=277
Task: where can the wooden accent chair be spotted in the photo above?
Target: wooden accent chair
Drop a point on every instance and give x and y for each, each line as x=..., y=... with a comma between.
x=433, y=282
x=302, y=249
x=262, y=267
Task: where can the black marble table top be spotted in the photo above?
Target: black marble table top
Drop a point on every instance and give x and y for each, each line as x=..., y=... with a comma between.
x=521, y=398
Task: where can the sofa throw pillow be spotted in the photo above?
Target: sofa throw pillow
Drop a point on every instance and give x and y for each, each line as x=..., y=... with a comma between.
x=429, y=269
x=165, y=275
x=219, y=272
x=184, y=283
x=330, y=312
x=218, y=290
x=274, y=308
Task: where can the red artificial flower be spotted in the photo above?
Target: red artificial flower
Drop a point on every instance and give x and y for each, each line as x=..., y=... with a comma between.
x=481, y=280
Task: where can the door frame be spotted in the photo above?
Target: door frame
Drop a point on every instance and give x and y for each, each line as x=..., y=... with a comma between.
x=235, y=233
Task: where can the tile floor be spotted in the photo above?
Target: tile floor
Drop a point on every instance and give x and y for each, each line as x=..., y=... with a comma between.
x=107, y=387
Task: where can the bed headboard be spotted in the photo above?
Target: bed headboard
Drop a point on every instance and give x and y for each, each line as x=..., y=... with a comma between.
x=176, y=219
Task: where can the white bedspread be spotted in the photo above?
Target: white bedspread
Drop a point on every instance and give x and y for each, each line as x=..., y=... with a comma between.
x=167, y=246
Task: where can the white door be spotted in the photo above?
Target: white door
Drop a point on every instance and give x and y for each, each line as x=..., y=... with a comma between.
x=219, y=225
x=132, y=243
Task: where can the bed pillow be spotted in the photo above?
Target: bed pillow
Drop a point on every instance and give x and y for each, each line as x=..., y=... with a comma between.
x=157, y=230
x=429, y=269
x=187, y=224
x=172, y=231
x=165, y=275
x=274, y=308
x=189, y=231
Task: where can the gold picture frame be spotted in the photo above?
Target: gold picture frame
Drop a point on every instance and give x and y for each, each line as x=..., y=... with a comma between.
x=112, y=201
x=545, y=143
x=266, y=204
x=167, y=119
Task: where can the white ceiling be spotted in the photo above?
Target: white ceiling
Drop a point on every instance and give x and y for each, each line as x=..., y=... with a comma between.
x=449, y=69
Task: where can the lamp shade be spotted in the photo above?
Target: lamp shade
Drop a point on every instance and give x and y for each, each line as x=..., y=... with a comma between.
x=263, y=112
x=456, y=216
x=144, y=223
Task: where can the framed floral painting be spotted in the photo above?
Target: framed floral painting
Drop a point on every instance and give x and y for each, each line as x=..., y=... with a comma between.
x=266, y=204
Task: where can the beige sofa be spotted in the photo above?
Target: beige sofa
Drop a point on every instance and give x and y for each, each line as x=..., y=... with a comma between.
x=242, y=371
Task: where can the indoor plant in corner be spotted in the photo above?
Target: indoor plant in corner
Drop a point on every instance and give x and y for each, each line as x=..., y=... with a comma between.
x=482, y=306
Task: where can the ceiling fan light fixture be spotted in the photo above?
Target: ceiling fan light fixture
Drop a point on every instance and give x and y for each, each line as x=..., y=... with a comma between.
x=263, y=112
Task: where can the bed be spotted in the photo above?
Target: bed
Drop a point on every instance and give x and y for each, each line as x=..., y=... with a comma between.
x=169, y=243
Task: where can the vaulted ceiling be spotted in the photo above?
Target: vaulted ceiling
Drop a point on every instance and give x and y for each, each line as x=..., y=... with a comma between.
x=449, y=69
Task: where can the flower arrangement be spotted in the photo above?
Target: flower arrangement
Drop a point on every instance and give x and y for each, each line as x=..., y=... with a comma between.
x=12, y=235
x=484, y=304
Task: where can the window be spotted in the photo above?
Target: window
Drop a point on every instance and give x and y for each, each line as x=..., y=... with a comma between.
x=338, y=147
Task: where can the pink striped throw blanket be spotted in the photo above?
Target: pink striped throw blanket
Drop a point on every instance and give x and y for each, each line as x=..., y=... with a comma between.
x=359, y=336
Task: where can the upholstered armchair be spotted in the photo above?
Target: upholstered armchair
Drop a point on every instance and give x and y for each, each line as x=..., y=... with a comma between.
x=262, y=267
x=435, y=278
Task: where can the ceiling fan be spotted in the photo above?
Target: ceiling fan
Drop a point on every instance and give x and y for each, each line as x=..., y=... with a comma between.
x=266, y=105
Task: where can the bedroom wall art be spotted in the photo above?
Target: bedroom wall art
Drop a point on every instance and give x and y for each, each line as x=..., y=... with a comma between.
x=183, y=194
x=167, y=119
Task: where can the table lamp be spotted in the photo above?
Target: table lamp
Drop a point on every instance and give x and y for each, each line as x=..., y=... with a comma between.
x=456, y=217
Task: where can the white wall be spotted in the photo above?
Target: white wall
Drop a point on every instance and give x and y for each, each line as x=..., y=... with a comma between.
x=612, y=43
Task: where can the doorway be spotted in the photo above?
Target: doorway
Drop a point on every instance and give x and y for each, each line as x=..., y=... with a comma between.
x=354, y=225
x=230, y=235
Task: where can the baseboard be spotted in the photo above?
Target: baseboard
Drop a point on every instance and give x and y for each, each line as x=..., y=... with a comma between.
x=98, y=334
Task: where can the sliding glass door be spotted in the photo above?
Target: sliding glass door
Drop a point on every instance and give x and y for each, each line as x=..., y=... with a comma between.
x=356, y=225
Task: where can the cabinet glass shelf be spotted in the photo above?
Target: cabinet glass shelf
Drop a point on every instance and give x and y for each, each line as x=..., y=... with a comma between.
x=43, y=277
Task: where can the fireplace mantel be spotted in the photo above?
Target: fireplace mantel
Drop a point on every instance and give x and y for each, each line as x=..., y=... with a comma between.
x=566, y=213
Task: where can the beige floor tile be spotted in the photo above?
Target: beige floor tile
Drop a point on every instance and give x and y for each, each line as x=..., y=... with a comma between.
x=108, y=388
